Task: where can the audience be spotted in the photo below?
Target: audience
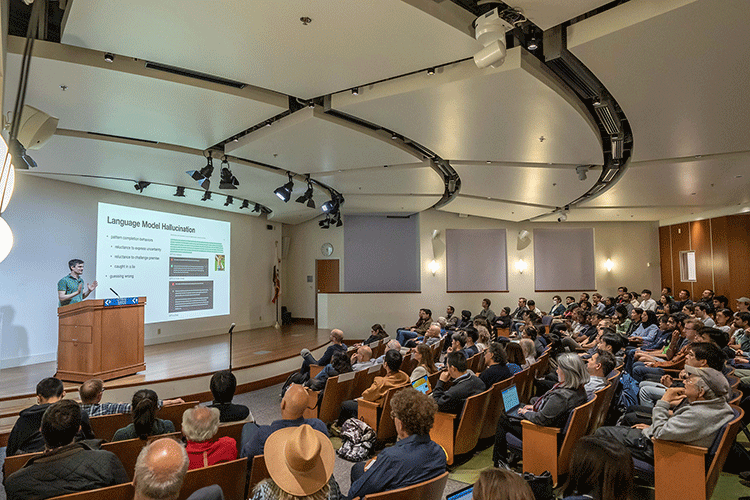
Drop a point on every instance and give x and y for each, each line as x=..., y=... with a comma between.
x=293, y=407
x=599, y=366
x=91, y=393
x=300, y=462
x=413, y=459
x=339, y=364
x=199, y=425
x=426, y=365
x=337, y=345
x=599, y=469
x=465, y=384
x=496, y=365
x=160, y=470
x=551, y=410
x=486, y=313
x=362, y=359
x=377, y=333
x=529, y=351
x=25, y=436
x=515, y=357
x=501, y=484
x=145, y=423
x=66, y=466
x=423, y=323
x=223, y=384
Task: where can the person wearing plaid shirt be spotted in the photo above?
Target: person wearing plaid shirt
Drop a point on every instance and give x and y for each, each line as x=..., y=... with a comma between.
x=91, y=393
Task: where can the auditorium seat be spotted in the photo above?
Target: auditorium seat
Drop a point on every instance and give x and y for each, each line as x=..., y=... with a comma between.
x=377, y=417
x=602, y=405
x=105, y=426
x=524, y=383
x=461, y=438
x=689, y=472
x=431, y=489
x=364, y=379
x=123, y=491
x=494, y=408
x=337, y=390
x=232, y=430
x=538, y=442
x=258, y=472
x=230, y=476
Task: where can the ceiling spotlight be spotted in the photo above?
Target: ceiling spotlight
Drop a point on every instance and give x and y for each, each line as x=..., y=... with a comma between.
x=562, y=217
x=109, y=57
x=489, y=30
x=581, y=171
x=394, y=136
x=311, y=104
x=339, y=223
x=203, y=176
x=308, y=196
x=20, y=159
x=430, y=71
x=329, y=206
x=256, y=208
x=285, y=192
x=245, y=204
x=206, y=196
x=141, y=185
x=325, y=223
x=180, y=192
x=355, y=91
x=229, y=201
x=228, y=180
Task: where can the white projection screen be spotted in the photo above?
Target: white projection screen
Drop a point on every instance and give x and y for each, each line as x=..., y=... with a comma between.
x=476, y=260
x=564, y=260
x=180, y=263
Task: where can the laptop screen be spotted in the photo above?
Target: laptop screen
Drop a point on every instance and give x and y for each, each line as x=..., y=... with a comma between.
x=462, y=494
x=510, y=398
x=422, y=385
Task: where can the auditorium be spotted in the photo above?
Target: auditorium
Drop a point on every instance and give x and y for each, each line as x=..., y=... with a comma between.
x=244, y=188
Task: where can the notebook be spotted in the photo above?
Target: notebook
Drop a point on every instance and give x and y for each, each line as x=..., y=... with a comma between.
x=511, y=401
x=422, y=384
x=462, y=494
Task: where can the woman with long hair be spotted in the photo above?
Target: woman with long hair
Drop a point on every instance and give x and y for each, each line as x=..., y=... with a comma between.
x=377, y=333
x=647, y=330
x=515, y=357
x=339, y=364
x=599, y=469
x=500, y=484
x=426, y=365
x=145, y=403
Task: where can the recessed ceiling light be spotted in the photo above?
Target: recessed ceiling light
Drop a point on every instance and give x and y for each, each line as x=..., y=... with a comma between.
x=355, y=91
x=737, y=176
x=431, y=71
x=305, y=20
x=488, y=162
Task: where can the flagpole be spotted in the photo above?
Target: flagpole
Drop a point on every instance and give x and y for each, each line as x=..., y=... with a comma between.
x=277, y=278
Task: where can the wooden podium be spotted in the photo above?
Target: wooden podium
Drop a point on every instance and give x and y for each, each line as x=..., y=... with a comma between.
x=100, y=339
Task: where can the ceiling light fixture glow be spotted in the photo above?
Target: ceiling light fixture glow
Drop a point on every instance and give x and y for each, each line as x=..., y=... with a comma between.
x=285, y=192
x=203, y=176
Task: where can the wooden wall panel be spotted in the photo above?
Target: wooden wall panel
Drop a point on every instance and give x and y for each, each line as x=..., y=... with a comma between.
x=722, y=282
x=738, y=244
x=665, y=257
x=700, y=241
x=680, y=243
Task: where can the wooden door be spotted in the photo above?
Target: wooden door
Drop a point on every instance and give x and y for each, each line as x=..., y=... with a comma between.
x=326, y=279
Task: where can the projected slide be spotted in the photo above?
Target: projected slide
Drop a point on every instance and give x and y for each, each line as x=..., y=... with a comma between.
x=180, y=263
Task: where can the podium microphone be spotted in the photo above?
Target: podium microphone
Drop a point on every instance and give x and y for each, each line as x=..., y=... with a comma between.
x=231, y=330
x=118, y=296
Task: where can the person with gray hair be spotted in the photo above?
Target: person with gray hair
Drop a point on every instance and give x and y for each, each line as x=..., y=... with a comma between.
x=199, y=425
x=160, y=470
x=550, y=410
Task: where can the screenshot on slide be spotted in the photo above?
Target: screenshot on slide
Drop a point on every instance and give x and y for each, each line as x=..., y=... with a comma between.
x=180, y=263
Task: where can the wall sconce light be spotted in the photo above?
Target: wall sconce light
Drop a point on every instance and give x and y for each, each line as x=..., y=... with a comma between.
x=433, y=266
x=521, y=266
x=609, y=265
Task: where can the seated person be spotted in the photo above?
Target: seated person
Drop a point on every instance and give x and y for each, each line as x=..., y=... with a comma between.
x=451, y=320
x=529, y=352
x=515, y=357
x=91, y=393
x=695, y=423
x=145, y=423
x=465, y=384
x=599, y=366
x=550, y=410
x=647, y=330
x=599, y=469
x=423, y=323
x=300, y=462
x=392, y=345
x=362, y=359
x=394, y=377
x=160, y=471
x=426, y=366
x=223, y=384
x=458, y=343
x=675, y=358
x=25, y=437
x=557, y=308
x=465, y=320
x=503, y=320
x=199, y=426
x=432, y=335
x=66, y=466
x=339, y=364
x=495, y=365
x=413, y=459
x=486, y=313
x=501, y=484
x=377, y=334
x=483, y=334
x=293, y=406
x=337, y=345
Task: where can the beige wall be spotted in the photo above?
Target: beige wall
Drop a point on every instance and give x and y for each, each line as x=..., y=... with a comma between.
x=632, y=246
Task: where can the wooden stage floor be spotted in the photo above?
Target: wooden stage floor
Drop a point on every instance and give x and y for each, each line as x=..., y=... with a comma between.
x=188, y=357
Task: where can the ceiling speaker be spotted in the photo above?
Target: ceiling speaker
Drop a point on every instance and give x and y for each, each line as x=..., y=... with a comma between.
x=36, y=127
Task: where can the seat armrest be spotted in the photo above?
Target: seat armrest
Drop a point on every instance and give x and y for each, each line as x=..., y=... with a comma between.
x=540, y=451
x=679, y=468
x=443, y=433
x=367, y=412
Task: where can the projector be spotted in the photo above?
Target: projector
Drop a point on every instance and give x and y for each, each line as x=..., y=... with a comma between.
x=489, y=30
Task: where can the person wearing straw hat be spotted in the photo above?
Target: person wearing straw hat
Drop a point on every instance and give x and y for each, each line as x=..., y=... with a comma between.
x=300, y=462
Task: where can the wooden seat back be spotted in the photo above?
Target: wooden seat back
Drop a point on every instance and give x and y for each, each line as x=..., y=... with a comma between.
x=123, y=491
x=15, y=462
x=538, y=441
x=315, y=369
x=428, y=490
x=409, y=363
x=600, y=409
x=470, y=423
x=364, y=379
x=338, y=389
x=127, y=451
x=542, y=364
x=722, y=452
x=230, y=476
x=502, y=332
x=524, y=383
x=494, y=408
x=105, y=426
x=232, y=430
x=380, y=350
x=379, y=417
x=258, y=472
x=433, y=378
x=173, y=413
x=473, y=362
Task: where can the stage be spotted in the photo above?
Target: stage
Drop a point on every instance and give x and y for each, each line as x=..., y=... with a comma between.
x=185, y=359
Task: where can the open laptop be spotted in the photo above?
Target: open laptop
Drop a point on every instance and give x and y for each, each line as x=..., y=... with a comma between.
x=462, y=494
x=511, y=401
x=422, y=384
